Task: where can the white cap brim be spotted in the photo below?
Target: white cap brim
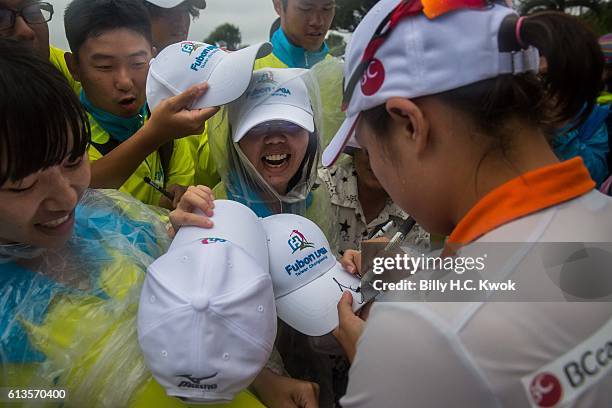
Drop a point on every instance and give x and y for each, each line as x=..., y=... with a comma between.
x=344, y=137
x=232, y=76
x=165, y=3
x=313, y=308
x=266, y=113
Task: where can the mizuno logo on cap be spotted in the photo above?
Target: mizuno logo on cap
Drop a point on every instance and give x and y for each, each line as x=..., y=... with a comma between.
x=196, y=382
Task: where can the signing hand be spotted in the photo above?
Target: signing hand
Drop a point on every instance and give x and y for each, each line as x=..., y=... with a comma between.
x=350, y=326
x=276, y=391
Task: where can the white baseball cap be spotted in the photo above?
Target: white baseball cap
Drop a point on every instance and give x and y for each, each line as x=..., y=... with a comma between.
x=273, y=95
x=422, y=56
x=206, y=320
x=182, y=65
x=165, y=3
x=308, y=281
x=233, y=222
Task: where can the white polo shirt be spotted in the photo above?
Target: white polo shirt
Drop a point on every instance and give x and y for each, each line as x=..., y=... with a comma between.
x=498, y=354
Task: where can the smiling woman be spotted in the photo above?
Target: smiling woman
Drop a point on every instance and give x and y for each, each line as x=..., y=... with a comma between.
x=43, y=175
x=62, y=247
x=267, y=144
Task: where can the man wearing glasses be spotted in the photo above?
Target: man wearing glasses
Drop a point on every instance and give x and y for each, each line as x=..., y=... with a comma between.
x=26, y=21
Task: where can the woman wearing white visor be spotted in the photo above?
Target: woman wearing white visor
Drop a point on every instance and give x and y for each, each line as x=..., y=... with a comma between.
x=445, y=98
x=267, y=146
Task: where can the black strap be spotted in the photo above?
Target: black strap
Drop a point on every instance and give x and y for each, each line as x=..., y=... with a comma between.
x=165, y=155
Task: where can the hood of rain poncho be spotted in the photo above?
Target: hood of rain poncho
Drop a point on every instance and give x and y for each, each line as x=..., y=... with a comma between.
x=241, y=180
x=329, y=74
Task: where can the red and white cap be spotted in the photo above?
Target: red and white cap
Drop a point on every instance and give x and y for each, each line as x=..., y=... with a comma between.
x=423, y=57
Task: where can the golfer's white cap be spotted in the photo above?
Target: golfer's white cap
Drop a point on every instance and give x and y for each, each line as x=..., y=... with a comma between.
x=423, y=57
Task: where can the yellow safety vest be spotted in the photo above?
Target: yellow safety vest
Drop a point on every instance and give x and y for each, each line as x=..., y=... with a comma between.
x=56, y=57
x=180, y=171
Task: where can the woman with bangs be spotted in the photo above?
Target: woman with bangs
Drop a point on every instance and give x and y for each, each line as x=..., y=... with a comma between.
x=72, y=260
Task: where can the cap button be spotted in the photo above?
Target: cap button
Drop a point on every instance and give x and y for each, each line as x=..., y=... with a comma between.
x=200, y=303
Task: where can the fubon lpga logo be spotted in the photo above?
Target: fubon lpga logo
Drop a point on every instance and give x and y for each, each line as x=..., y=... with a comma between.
x=373, y=78
x=546, y=390
x=298, y=242
x=188, y=47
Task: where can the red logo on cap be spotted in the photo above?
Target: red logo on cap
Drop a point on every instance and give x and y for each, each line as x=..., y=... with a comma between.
x=546, y=390
x=373, y=78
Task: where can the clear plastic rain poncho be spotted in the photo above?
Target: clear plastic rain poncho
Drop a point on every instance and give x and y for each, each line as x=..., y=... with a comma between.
x=329, y=74
x=67, y=319
x=240, y=179
x=68, y=316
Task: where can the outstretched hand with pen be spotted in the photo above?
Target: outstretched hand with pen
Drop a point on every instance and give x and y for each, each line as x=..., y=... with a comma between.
x=194, y=209
x=171, y=197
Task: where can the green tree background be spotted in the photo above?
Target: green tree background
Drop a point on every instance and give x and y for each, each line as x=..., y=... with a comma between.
x=350, y=12
x=227, y=33
x=336, y=44
x=597, y=13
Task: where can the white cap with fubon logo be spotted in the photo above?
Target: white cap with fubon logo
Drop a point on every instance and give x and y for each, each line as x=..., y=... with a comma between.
x=423, y=57
x=207, y=319
x=273, y=94
x=308, y=281
x=182, y=65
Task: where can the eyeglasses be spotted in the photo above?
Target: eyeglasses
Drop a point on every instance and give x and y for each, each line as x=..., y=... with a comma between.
x=34, y=13
x=407, y=8
x=277, y=126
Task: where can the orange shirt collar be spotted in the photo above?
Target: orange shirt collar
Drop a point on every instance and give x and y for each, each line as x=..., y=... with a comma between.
x=524, y=195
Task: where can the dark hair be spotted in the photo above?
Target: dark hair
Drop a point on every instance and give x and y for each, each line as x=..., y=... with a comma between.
x=193, y=8
x=90, y=18
x=566, y=93
x=309, y=158
x=41, y=119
